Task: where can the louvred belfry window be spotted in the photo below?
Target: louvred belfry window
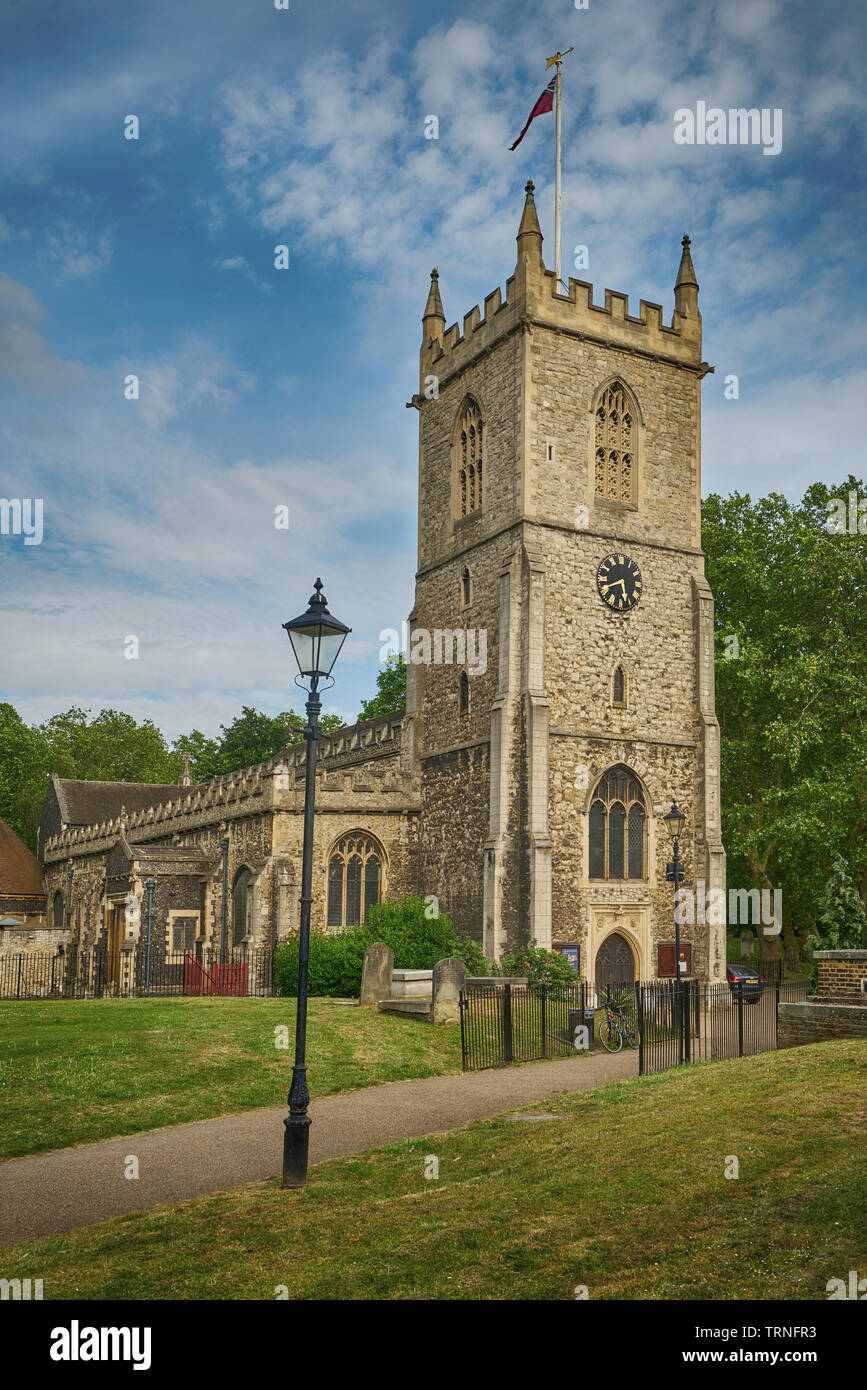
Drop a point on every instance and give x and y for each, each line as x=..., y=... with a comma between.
x=618, y=827
x=615, y=445
x=470, y=460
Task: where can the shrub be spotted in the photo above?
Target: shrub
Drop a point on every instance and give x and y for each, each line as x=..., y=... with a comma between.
x=542, y=968
x=337, y=958
x=842, y=921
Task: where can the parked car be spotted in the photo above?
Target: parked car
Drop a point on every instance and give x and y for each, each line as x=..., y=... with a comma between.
x=749, y=981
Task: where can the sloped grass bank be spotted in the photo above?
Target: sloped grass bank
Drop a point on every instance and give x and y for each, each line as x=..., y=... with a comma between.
x=626, y=1195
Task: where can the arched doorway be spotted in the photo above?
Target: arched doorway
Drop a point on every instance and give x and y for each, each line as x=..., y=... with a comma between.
x=615, y=964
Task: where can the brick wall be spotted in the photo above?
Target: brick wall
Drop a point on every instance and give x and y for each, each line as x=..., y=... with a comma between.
x=841, y=973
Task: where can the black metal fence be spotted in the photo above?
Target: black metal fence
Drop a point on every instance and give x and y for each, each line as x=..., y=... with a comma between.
x=703, y=1022
x=507, y=1023
x=96, y=972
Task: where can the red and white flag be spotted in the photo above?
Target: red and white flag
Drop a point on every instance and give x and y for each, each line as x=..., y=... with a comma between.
x=545, y=103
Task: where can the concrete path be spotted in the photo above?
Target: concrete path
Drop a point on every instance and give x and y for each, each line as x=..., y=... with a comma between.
x=53, y=1192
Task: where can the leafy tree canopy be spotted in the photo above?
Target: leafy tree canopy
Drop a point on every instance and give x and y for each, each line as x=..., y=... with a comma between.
x=114, y=747
x=791, y=690
x=390, y=689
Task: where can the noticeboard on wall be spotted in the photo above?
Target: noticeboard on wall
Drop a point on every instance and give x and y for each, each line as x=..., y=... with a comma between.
x=572, y=951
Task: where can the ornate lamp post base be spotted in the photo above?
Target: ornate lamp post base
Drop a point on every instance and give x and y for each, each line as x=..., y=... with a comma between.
x=296, y=1132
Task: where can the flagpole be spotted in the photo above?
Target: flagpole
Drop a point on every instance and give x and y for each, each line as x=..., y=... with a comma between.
x=558, y=159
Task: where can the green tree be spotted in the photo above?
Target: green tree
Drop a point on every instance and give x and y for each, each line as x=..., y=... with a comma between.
x=390, y=694
x=842, y=921
x=204, y=754
x=24, y=767
x=791, y=621
x=253, y=737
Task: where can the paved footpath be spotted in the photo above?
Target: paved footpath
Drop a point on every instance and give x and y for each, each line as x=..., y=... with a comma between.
x=53, y=1192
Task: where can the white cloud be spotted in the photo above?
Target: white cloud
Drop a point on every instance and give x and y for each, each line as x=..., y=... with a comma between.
x=79, y=251
x=196, y=374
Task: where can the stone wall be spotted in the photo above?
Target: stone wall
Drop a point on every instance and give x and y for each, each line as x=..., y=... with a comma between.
x=813, y=1021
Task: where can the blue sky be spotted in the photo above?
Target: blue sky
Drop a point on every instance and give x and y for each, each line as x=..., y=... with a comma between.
x=261, y=388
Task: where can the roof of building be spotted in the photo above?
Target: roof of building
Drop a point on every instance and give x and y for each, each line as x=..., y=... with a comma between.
x=89, y=803
x=20, y=870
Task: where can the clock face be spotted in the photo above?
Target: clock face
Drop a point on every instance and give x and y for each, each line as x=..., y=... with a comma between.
x=618, y=580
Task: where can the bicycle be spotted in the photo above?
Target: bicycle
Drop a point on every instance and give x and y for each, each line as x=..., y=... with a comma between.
x=617, y=1025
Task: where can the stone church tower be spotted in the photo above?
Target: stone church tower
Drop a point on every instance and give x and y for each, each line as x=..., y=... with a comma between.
x=560, y=530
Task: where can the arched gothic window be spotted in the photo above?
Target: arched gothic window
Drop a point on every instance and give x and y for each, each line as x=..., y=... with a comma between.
x=618, y=689
x=615, y=445
x=618, y=827
x=354, y=878
x=466, y=588
x=470, y=454
x=242, y=906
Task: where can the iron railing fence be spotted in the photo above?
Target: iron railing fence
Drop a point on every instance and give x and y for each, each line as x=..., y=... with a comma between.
x=697, y=1022
x=95, y=972
x=521, y=1023
x=706, y=1022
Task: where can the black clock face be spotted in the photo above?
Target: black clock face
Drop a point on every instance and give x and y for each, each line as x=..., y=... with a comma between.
x=618, y=580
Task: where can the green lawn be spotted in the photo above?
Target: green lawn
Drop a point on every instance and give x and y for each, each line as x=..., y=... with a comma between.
x=625, y=1195
x=75, y=1071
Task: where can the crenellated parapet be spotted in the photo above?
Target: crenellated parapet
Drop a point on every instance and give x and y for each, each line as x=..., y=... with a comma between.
x=533, y=299
x=362, y=756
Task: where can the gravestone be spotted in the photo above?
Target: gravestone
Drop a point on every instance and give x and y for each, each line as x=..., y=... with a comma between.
x=747, y=946
x=376, y=973
x=449, y=978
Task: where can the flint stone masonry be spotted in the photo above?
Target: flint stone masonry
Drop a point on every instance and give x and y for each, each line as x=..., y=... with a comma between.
x=813, y=1021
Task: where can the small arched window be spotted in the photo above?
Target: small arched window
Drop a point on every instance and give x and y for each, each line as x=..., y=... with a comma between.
x=57, y=910
x=618, y=689
x=617, y=829
x=470, y=445
x=464, y=696
x=355, y=868
x=242, y=906
x=466, y=588
x=615, y=445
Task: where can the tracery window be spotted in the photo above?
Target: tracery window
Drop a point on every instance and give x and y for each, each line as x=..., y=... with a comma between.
x=470, y=454
x=354, y=878
x=615, y=445
x=618, y=827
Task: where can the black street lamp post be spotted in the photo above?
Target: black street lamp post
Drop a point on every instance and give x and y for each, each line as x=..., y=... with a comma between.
x=674, y=822
x=150, y=885
x=316, y=639
x=224, y=846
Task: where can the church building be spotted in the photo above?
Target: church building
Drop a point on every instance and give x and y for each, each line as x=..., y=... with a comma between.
x=560, y=691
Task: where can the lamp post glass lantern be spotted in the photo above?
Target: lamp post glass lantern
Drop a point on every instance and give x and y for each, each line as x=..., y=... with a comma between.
x=316, y=637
